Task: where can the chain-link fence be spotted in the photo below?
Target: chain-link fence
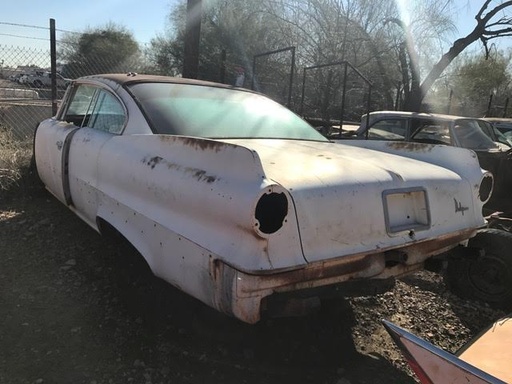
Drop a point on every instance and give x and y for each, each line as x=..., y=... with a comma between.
x=27, y=95
x=28, y=92
x=23, y=103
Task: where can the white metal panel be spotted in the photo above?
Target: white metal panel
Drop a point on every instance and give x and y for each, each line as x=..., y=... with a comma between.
x=84, y=151
x=49, y=151
x=338, y=194
x=202, y=189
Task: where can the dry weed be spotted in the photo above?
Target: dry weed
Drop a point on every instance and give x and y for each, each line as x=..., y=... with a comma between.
x=14, y=158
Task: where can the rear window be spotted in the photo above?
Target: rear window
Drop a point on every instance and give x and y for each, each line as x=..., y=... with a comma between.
x=202, y=111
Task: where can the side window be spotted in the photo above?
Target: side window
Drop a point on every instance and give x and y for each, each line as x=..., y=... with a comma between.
x=79, y=107
x=486, y=128
x=95, y=108
x=108, y=114
x=388, y=129
x=430, y=132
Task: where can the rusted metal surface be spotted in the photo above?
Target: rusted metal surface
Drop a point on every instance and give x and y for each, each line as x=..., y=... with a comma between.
x=216, y=146
x=232, y=221
x=411, y=146
x=248, y=290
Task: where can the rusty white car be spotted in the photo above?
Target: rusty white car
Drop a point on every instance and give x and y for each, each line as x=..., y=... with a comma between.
x=239, y=202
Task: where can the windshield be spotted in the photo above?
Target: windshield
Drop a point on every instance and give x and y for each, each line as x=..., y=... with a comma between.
x=203, y=111
x=469, y=135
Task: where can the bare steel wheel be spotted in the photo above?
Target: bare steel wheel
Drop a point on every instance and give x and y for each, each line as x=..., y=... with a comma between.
x=487, y=277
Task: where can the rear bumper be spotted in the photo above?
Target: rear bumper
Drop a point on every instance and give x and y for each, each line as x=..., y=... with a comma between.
x=241, y=294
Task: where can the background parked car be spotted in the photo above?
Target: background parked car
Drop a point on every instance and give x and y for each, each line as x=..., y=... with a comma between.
x=503, y=125
x=22, y=78
x=44, y=79
x=452, y=130
x=491, y=130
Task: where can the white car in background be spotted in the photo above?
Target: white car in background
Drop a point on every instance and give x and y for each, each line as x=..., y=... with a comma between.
x=22, y=78
x=43, y=79
x=237, y=201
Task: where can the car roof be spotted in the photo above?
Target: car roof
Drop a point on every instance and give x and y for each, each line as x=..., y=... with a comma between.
x=438, y=116
x=373, y=116
x=131, y=78
x=498, y=119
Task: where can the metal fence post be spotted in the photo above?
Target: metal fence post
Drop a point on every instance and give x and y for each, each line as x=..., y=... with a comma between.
x=53, y=62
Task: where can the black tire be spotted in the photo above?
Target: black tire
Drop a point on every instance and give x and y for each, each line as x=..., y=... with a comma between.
x=487, y=278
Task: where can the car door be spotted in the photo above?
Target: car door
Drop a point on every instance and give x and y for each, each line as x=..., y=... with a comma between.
x=105, y=118
x=49, y=147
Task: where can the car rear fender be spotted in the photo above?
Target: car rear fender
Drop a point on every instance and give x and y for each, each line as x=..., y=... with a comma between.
x=207, y=191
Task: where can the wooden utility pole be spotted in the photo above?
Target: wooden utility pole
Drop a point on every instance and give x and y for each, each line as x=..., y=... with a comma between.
x=192, y=36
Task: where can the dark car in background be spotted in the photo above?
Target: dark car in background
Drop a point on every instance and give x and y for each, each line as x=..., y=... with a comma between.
x=458, y=131
x=502, y=125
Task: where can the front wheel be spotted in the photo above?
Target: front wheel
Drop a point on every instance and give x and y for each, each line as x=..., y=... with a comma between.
x=487, y=277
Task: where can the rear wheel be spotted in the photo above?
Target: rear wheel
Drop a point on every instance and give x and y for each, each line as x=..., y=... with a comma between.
x=487, y=277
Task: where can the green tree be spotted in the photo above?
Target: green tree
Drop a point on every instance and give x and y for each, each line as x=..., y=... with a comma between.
x=164, y=57
x=237, y=28
x=478, y=77
x=394, y=51
x=493, y=21
x=107, y=49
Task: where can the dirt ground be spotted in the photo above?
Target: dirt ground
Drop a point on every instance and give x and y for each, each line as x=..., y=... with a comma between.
x=74, y=309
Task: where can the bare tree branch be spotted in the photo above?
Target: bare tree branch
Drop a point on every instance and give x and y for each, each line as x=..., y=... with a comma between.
x=480, y=32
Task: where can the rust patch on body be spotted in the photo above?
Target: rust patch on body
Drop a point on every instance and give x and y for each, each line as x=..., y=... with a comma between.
x=152, y=162
x=410, y=146
x=199, y=174
x=204, y=145
x=202, y=176
x=196, y=143
x=347, y=266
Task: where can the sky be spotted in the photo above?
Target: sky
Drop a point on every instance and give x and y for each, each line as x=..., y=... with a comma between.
x=144, y=21
x=144, y=18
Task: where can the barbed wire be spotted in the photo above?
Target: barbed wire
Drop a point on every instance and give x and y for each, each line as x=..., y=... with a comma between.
x=24, y=37
x=35, y=27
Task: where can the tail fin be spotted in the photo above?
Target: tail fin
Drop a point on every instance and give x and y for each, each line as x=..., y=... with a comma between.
x=433, y=365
